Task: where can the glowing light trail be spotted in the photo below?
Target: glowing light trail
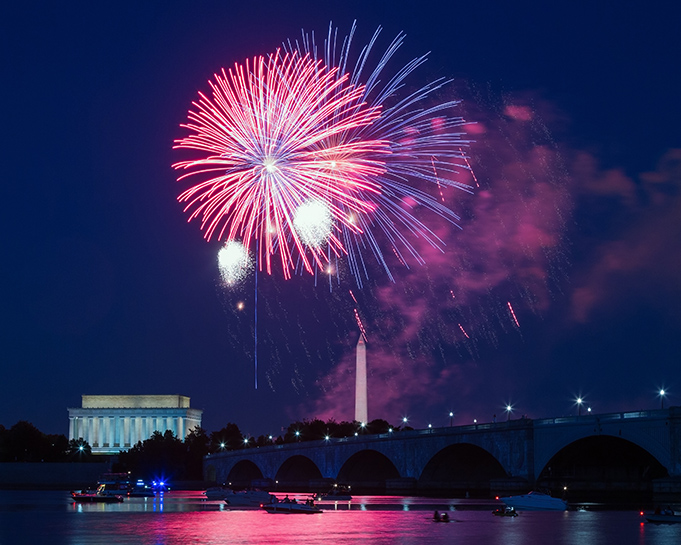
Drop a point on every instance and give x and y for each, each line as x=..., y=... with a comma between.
x=513, y=314
x=463, y=331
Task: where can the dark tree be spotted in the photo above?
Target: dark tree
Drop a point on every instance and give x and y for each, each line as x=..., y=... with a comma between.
x=79, y=450
x=197, y=445
x=26, y=443
x=379, y=426
x=228, y=438
x=163, y=456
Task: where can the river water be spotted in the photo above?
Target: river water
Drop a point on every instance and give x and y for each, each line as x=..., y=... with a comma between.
x=50, y=517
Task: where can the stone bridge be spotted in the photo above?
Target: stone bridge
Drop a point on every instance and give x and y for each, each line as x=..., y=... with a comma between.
x=627, y=450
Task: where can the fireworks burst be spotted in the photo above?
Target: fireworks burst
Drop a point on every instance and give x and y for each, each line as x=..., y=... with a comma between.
x=291, y=131
x=233, y=262
x=273, y=133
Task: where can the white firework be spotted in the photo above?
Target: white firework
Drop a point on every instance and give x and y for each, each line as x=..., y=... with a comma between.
x=313, y=224
x=234, y=262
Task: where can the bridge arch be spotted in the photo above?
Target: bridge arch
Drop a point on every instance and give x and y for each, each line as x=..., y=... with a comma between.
x=296, y=473
x=461, y=468
x=367, y=469
x=561, y=438
x=604, y=468
x=242, y=473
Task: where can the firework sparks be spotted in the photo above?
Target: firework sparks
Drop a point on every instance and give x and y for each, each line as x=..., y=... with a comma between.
x=287, y=130
x=419, y=137
x=273, y=133
x=233, y=262
x=510, y=308
x=312, y=222
x=361, y=325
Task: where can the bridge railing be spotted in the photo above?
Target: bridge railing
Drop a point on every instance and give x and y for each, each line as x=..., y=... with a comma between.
x=655, y=413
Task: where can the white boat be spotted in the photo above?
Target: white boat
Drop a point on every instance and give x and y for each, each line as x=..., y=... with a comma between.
x=293, y=507
x=535, y=501
x=337, y=493
x=664, y=517
x=249, y=499
x=217, y=493
x=96, y=496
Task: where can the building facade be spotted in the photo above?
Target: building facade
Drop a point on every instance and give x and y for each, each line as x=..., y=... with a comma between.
x=111, y=423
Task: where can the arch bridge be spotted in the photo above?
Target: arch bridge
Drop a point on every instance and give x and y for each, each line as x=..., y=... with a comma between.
x=625, y=451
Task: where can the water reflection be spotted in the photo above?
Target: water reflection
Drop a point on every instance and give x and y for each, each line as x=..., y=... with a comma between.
x=182, y=518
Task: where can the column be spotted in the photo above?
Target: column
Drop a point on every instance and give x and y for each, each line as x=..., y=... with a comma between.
x=105, y=431
x=180, y=428
x=95, y=431
x=126, y=431
x=72, y=427
x=112, y=431
x=138, y=430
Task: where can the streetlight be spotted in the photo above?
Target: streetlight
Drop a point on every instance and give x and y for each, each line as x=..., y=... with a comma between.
x=451, y=418
x=662, y=394
x=508, y=409
x=579, y=406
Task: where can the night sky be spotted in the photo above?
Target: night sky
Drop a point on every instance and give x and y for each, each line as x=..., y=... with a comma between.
x=107, y=289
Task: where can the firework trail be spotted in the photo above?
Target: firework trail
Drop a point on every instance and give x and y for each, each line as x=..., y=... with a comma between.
x=306, y=160
x=513, y=314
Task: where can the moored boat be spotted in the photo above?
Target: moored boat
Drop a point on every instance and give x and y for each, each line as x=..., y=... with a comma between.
x=95, y=496
x=337, y=493
x=217, y=493
x=248, y=499
x=505, y=512
x=293, y=507
x=666, y=516
x=535, y=501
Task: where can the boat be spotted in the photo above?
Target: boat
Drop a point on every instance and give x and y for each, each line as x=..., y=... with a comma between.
x=96, y=496
x=115, y=484
x=217, y=493
x=337, y=493
x=249, y=499
x=141, y=490
x=535, y=501
x=666, y=516
x=293, y=507
x=505, y=512
x=444, y=517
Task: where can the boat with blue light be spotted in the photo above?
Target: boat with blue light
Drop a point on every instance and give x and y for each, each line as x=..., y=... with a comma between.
x=535, y=501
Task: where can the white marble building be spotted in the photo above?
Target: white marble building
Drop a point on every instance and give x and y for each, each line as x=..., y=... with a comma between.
x=111, y=423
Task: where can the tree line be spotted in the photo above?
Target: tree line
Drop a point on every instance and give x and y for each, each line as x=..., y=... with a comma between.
x=166, y=456
x=23, y=442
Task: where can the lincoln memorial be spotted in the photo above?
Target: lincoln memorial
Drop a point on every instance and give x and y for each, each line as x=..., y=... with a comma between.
x=111, y=423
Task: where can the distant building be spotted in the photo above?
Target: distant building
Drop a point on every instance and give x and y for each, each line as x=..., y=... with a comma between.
x=111, y=423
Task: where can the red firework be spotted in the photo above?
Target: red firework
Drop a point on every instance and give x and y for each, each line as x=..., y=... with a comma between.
x=276, y=135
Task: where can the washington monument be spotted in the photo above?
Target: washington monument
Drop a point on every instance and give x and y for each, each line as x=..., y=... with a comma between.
x=361, y=412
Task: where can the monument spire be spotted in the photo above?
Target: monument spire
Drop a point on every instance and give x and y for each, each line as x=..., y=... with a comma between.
x=361, y=412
